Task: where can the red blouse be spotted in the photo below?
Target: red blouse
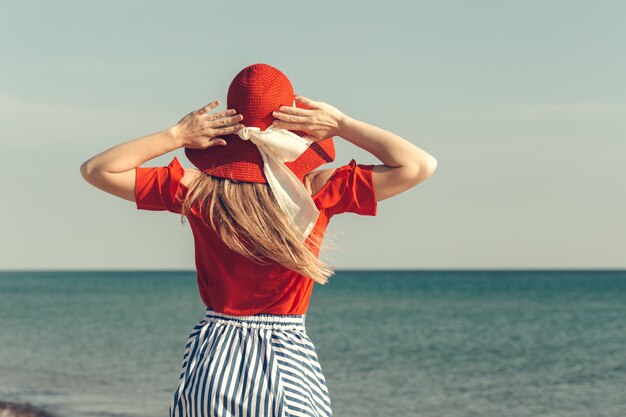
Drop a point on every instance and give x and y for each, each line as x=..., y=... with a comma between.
x=231, y=283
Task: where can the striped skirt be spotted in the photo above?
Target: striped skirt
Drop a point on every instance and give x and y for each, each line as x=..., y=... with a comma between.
x=250, y=366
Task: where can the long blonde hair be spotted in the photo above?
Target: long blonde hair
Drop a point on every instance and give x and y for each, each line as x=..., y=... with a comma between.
x=249, y=221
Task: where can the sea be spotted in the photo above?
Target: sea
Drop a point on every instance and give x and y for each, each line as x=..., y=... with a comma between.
x=452, y=343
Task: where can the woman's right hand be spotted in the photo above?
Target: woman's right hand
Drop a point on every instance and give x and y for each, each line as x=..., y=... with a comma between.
x=321, y=120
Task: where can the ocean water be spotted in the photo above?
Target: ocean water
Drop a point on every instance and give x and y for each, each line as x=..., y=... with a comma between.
x=405, y=343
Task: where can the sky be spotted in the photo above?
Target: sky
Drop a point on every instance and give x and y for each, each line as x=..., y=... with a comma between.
x=523, y=104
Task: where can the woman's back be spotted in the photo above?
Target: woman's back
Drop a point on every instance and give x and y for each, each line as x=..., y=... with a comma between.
x=232, y=283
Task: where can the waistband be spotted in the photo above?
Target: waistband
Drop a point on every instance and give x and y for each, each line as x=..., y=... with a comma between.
x=259, y=321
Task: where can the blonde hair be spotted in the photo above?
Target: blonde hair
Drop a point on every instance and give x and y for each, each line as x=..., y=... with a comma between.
x=249, y=221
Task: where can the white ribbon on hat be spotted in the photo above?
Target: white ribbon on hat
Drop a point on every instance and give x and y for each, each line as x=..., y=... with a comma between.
x=278, y=146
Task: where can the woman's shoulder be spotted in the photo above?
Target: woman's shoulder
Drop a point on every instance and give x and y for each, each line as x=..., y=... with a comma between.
x=347, y=188
x=189, y=175
x=319, y=180
x=316, y=181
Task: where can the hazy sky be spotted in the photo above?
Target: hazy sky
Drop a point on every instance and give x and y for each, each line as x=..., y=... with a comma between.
x=522, y=103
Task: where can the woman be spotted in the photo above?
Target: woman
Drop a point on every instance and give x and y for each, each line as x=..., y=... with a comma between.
x=258, y=209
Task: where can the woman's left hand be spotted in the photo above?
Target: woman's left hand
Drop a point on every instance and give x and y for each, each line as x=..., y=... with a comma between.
x=201, y=129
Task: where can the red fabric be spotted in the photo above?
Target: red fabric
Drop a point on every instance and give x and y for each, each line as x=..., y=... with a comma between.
x=231, y=283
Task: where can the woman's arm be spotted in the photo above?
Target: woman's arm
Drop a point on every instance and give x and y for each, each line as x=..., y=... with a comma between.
x=404, y=164
x=113, y=170
x=392, y=150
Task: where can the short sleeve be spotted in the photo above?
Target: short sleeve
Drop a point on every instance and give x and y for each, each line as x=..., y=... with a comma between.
x=159, y=188
x=349, y=190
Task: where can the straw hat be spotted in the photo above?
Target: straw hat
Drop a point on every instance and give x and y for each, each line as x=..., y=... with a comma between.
x=256, y=92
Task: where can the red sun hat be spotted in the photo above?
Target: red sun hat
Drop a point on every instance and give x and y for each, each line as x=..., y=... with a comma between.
x=256, y=92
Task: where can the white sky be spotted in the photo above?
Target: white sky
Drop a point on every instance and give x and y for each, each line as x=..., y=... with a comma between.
x=522, y=103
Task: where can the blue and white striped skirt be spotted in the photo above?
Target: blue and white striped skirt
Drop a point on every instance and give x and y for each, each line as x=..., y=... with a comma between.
x=250, y=366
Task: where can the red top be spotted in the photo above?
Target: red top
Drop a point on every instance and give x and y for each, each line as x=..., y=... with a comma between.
x=229, y=282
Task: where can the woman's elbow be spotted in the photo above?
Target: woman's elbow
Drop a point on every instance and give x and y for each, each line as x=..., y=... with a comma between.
x=88, y=172
x=84, y=170
x=425, y=169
